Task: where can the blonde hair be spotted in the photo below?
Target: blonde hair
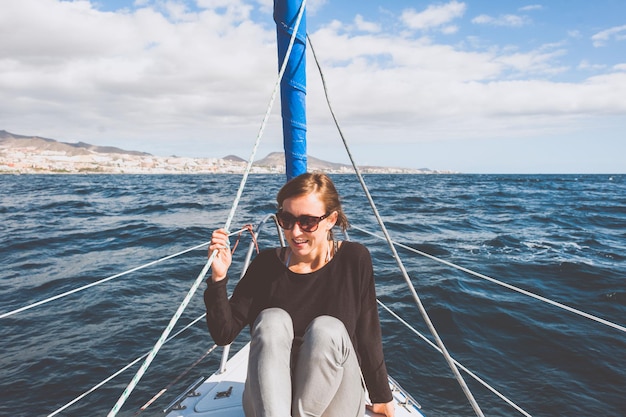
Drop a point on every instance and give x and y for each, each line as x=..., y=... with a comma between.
x=320, y=184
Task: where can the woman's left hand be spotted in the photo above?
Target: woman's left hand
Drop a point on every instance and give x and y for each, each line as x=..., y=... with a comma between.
x=386, y=409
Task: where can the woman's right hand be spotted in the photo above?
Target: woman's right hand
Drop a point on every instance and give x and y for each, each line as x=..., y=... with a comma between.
x=223, y=259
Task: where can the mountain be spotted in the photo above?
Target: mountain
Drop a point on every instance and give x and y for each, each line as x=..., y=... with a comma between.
x=233, y=158
x=34, y=154
x=9, y=140
x=277, y=159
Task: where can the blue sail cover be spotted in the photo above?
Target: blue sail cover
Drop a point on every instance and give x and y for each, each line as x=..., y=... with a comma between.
x=293, y=85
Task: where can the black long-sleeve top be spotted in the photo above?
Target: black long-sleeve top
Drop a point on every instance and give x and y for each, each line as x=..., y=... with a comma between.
x=343, y=288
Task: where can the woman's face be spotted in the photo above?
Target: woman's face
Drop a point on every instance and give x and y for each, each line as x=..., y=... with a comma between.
x=308, y=246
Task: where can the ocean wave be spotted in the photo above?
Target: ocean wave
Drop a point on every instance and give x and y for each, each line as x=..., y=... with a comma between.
x=557, y=236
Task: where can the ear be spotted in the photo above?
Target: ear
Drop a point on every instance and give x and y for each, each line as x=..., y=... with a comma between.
x=332, y=219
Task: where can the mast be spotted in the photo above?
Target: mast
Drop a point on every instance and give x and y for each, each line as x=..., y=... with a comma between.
x=293, y=85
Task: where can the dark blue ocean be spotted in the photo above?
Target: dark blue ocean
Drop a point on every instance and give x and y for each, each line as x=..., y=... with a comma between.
x=560, y=236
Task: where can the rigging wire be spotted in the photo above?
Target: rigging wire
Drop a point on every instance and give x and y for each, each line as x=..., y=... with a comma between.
x=112, y=277
x=133, y=383
x=503, y=284
x=470, y=373
x=120, y=371
x=405, y=274
x=102, y=281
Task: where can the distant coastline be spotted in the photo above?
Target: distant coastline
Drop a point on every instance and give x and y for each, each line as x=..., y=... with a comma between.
x=20, y=154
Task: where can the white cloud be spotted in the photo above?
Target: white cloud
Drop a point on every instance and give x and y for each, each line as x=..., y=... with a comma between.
x=509, y=20
x=434, y=16
x=426, y=84
x=586, y=65
x=574, y=34
x=531, y=7
x=482, y=19
x=72, y=64
x=532, y=63
x=312, y=6
x=617, y=33
x=194, y=82
x=364, y=26
x=449, y=30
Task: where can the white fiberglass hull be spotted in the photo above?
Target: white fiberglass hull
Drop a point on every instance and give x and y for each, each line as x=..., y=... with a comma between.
x=220, y=394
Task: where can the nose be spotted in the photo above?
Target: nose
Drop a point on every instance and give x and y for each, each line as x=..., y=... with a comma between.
x=296, y=226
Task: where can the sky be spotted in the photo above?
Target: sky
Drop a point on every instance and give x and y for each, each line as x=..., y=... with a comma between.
x=476, y=86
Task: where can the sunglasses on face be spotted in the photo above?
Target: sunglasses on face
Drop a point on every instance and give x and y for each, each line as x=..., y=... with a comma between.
x=307, y=223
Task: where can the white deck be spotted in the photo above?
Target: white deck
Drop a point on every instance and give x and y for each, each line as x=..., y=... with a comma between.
x=220, y=395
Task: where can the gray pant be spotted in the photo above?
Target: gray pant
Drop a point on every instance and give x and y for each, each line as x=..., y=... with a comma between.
x=324, y=381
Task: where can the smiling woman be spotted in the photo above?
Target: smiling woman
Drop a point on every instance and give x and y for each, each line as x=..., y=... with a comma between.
x=312, y=312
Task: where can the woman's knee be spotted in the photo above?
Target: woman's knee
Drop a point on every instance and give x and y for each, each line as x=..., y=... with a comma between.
x=326, y=332
x=327, y=327
x=273, y=324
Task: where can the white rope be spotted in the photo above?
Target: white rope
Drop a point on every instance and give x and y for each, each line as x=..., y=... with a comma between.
x=133, y=383
x=93, y=284
x=504, y=284
x=107, y=380
x=112, y=277
x=470, y=373
x=423, y=312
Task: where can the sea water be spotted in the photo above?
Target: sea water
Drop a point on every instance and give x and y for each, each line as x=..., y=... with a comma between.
x=562, y=237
